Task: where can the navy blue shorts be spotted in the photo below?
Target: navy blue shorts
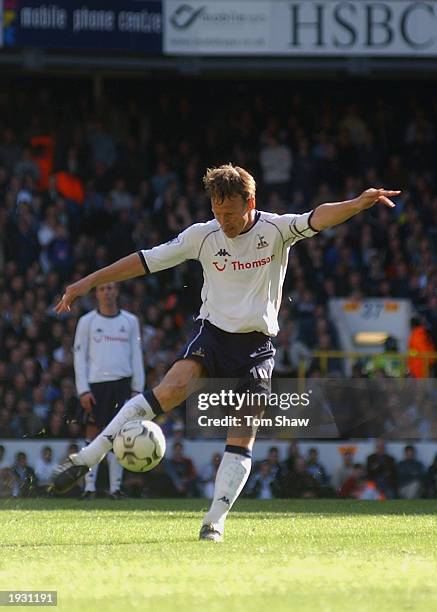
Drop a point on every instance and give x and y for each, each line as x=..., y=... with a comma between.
x=246, y=356
x=110, y=396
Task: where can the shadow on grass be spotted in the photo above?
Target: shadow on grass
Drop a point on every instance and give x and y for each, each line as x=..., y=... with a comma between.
x=256, y=508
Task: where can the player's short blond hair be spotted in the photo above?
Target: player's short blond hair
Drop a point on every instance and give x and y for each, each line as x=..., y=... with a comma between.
x=228, y=181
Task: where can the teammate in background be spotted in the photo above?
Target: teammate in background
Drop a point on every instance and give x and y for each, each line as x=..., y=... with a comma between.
x=244, y=256
x=109, y=369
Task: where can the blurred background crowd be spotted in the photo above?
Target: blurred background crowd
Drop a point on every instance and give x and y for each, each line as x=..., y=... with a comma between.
x=295, y=475
x=84, y=182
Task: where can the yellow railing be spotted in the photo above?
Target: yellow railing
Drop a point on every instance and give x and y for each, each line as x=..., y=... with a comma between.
x=403, y=358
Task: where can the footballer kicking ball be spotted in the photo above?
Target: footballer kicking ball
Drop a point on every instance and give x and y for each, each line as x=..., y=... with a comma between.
x=139, y=445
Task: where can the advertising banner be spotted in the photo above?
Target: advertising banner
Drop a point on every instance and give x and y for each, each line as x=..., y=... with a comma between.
x=386, y=28
x=129, y=25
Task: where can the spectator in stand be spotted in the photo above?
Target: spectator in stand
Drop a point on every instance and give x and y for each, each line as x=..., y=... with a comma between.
x=381, y=469
x=431, y=479
x=44, y=470
x=207, y=476
x=5, y=474
x=182, y=472
x=299, y=482
x=410, y=475
x=6, y=417
x=24, y=479
x=2, y=457
x=25, y=424
x=387, y=363
x=354, y=483
x=276, y=163
x=343, y=471
x=121, y=199
x=293, y=454
x=261, y=484
x=275, y=466
x=316, y=469
x=419, y=343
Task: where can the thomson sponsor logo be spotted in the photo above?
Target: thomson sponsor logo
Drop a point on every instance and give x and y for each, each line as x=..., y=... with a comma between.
x=248, y=265
x=186, y=15
x=244, y=265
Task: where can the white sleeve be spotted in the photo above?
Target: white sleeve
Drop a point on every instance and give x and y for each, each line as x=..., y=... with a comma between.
x=81, y=356
x=183, y=247
x=295, y=227
x=137, y=357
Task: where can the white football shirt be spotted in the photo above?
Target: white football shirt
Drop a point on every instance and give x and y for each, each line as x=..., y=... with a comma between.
x=243, y=276
x=108, y=348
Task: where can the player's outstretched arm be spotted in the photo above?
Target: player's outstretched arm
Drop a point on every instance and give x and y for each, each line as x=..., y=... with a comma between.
x=328, y=215
x=123, y=269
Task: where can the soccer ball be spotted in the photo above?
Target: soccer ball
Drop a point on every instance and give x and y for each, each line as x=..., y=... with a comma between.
x=139, y=445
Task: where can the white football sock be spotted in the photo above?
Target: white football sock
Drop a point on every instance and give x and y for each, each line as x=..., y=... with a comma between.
x=90, y=480
x=115, y=473
x=137, y=407
x=231, y=477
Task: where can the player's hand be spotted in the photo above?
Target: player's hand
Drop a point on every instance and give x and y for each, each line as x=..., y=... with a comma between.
x=370, y=197
x=81, y=287
x=87, y=401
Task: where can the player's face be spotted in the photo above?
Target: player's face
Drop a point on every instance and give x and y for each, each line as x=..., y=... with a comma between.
x=107, y=295
x=234, y=215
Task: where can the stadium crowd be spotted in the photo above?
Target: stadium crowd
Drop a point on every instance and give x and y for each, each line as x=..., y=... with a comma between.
x=84, y=182
x=297, y=476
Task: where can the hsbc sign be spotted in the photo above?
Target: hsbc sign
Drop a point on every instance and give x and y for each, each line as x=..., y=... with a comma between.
x=365, y=27
x=301, y=28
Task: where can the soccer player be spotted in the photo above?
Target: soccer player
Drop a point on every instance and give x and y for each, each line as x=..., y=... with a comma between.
x=109, y=368
x=243, y=253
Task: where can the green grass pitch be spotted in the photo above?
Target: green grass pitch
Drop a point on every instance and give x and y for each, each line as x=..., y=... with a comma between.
x=144, y=555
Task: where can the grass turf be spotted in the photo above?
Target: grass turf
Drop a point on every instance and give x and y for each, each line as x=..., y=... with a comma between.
x=278, y=555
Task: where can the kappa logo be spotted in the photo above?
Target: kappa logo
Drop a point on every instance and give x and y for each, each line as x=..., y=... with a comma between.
x=262, y=244
x=122, y=329
x=199, y=352
x=222, y=253
x=225, y=500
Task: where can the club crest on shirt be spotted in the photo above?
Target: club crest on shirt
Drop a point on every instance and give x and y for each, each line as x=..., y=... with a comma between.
x=262, y=244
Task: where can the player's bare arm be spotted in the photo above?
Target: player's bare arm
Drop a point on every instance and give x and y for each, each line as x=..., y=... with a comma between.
x=328, y=215
x=123, y=269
